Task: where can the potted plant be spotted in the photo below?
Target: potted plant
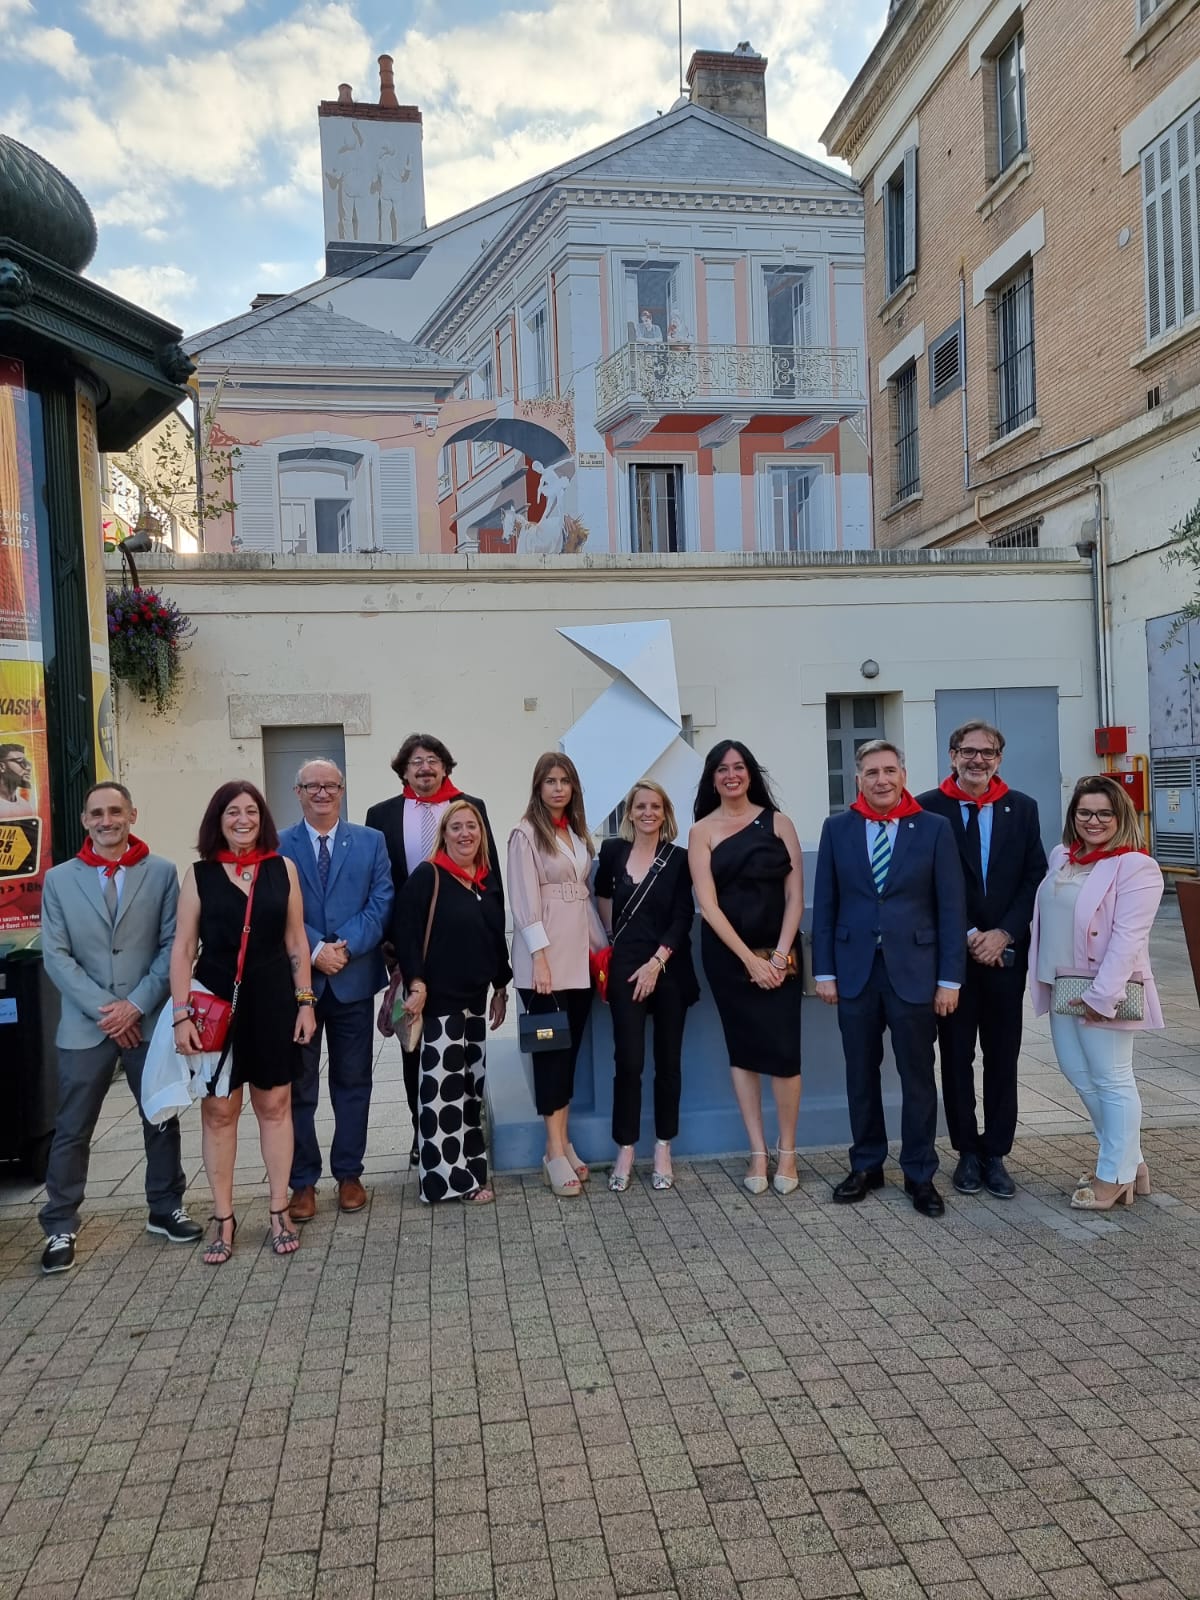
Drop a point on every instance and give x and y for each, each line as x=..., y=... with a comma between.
x=147, y=636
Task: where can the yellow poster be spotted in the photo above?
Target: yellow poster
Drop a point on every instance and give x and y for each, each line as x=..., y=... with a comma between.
x=93, y=547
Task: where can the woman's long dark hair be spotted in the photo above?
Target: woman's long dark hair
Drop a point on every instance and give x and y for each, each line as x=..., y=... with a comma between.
x=210, y=838
x=537, y=814
x=707, y=799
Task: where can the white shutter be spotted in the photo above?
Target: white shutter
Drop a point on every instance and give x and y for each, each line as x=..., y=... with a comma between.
x=1171, y=213
x=910, y=210
x=398, y=501
x=255, y=496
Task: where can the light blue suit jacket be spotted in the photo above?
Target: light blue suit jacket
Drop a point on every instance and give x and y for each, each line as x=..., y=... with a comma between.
x=356, y=905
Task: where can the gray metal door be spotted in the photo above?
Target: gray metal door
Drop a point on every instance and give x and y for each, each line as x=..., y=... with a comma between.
x=1028, y=719
x=285, y=750
x=1172, y=651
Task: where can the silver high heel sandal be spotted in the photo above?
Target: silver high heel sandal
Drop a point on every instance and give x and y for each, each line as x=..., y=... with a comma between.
x=757, y=1185
x=618, y=1182
x=662, y=1180
x=782, y=1183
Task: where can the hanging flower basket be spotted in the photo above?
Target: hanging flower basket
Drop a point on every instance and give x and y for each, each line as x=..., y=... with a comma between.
x=147, y=636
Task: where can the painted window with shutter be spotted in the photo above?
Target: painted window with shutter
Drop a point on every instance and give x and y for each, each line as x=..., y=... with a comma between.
x=255, y=496
x=398, y=502
x=1171, y=202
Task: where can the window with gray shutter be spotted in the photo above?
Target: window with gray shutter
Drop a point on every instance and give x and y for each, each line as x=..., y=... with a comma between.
x=1171, y=211
x=945, y=364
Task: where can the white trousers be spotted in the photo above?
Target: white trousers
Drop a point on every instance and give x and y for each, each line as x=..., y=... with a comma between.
x=1098, y=1063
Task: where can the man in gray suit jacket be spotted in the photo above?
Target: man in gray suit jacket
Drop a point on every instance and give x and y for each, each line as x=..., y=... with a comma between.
x=108, y=922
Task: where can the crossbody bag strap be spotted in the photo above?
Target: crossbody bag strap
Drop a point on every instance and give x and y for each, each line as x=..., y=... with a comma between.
x=241, y=960
x=437, y=883
x=634, y=903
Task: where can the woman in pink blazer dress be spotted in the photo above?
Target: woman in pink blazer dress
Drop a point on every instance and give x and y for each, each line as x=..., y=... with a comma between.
x=555, y=925
x=1093, y=914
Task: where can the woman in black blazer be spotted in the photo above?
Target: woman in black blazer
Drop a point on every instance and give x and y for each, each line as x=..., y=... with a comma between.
x=644, y=895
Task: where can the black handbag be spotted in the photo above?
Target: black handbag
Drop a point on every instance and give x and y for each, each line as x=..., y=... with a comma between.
x=543, y=1030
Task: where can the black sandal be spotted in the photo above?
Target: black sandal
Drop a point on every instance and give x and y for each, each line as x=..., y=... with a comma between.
x=287, y=1241
x=218, y=1251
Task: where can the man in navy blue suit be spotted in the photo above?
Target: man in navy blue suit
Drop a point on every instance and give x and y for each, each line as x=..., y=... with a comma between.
x=889, y=950
x=346, y=881
x=999, y=840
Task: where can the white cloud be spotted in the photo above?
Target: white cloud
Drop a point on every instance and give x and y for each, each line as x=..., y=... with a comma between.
x=162, y=289
x=10, y=10
x=152, y=19
x=51, y=47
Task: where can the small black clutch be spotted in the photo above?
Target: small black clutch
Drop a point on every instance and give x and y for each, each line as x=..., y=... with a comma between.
x=545, y=1030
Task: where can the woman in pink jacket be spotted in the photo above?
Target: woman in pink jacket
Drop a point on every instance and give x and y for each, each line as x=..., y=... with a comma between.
x=555, y=924
x=1093, y=916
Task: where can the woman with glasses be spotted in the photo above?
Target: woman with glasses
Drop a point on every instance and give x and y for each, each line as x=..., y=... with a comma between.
x=1092, y=920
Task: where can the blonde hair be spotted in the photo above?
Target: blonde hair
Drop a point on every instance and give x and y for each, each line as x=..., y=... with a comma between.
x=1129, y=830
x=669, y=831
x=483, y=860
x=537, y=813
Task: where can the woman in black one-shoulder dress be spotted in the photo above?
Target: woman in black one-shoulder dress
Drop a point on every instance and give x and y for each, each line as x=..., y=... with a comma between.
x=274, y=1011
x=748, y=874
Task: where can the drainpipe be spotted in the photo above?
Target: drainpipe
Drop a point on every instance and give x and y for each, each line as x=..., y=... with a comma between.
x=962, y=368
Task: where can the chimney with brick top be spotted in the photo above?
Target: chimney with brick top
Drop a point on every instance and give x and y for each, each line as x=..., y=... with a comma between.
x=372, y=178
x=733, y=83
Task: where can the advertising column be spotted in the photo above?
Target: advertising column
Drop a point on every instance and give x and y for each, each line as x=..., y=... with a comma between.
x=24, y=753
x=103, y=726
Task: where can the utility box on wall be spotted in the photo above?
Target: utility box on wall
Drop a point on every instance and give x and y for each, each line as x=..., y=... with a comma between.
x=1112, y=741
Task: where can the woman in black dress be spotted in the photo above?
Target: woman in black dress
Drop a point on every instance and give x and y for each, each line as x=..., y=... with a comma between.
x=644, y=895
x=274, y=1013
x=448, y=978
x=749, y=877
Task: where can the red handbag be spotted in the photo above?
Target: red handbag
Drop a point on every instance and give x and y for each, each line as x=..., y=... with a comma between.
x=212, y=1017
x=598, y=961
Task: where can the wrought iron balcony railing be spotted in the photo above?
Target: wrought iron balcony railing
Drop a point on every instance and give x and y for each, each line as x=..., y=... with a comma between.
x=664, y=377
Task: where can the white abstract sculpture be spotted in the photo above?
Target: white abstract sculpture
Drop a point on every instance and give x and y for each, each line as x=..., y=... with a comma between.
x=633, y=730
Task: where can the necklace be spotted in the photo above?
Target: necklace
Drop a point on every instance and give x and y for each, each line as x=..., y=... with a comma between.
x=246, y=874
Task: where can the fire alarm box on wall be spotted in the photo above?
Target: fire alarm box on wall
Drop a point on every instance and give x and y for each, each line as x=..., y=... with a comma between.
x=1134, y=785
x=1112, y=741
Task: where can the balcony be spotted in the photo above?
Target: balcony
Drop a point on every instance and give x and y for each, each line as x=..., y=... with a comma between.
x=640, y=384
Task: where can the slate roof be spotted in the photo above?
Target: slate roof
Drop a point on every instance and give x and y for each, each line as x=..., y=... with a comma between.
x=698, y=146
x=291, y=332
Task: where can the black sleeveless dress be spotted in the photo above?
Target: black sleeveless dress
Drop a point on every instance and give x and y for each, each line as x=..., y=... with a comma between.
x=262, y=1050
x=761, y=1026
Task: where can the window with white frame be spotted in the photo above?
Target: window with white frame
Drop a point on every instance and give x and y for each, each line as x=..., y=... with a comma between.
x=795, y=509
x=1171, y=207
x=1009, y=66
x=445, y=472
x=900, y=222
x=535, y=349
x=1147, y=8
x=483, y=387
x=906, y=465
x=651, y=301
x=1016, y=390
x=656, y=509
x=788, y=293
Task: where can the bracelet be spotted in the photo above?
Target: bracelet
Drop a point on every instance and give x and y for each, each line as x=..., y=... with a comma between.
x=662, y=965
x=305, y=997
x=179, y=1021
x=181, y=1011
x=780, y=966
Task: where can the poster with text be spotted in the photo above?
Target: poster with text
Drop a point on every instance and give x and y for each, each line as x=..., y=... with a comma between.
x=20, y=617
x=24, y=803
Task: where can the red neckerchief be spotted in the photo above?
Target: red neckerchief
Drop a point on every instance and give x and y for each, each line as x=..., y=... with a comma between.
x=906, y=806
x=473, y=880
x=244, y=858
x=996, y=790
x=135, y=851
x=563, y=823
x=1081, y=857
x=444, y=791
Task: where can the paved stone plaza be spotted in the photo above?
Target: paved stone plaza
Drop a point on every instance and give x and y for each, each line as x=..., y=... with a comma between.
x=693, y=1394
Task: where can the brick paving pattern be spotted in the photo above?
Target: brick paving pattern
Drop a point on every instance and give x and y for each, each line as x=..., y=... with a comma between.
x=692, y=1394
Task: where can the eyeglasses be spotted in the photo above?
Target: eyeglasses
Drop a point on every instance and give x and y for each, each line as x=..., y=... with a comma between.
x=1094, y=816
x=320, y=788
x=977, y=755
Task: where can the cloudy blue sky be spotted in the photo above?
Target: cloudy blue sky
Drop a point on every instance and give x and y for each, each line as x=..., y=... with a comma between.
x=190, y=125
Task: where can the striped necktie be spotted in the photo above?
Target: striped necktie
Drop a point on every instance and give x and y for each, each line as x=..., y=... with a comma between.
x=881, y=857
x=429, y=827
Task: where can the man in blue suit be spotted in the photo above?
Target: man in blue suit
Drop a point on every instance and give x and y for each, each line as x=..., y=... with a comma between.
x=889, y=950
x=346, y=881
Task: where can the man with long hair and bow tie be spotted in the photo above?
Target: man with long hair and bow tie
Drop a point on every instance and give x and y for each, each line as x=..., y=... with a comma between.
x=889, y=950
x=108, y=923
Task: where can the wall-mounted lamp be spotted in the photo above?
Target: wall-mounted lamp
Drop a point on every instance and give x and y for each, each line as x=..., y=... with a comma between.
x=869, y=668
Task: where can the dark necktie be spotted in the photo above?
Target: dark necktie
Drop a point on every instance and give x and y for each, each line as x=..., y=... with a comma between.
x=323, y=861
x=975, y=844
x=110, y=898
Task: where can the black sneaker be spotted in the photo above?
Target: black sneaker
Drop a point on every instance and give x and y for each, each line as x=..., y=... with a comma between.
x=175, y=1225
x=59, y=1254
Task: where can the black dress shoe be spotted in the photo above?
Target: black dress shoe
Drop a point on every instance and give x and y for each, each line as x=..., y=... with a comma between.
x=855, y=1186
x=996, y=1179
x=968, y=1178
x=925, y=1198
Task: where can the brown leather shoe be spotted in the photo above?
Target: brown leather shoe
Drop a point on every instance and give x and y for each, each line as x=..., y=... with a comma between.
x=303, y=1204
x=351, y=1195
